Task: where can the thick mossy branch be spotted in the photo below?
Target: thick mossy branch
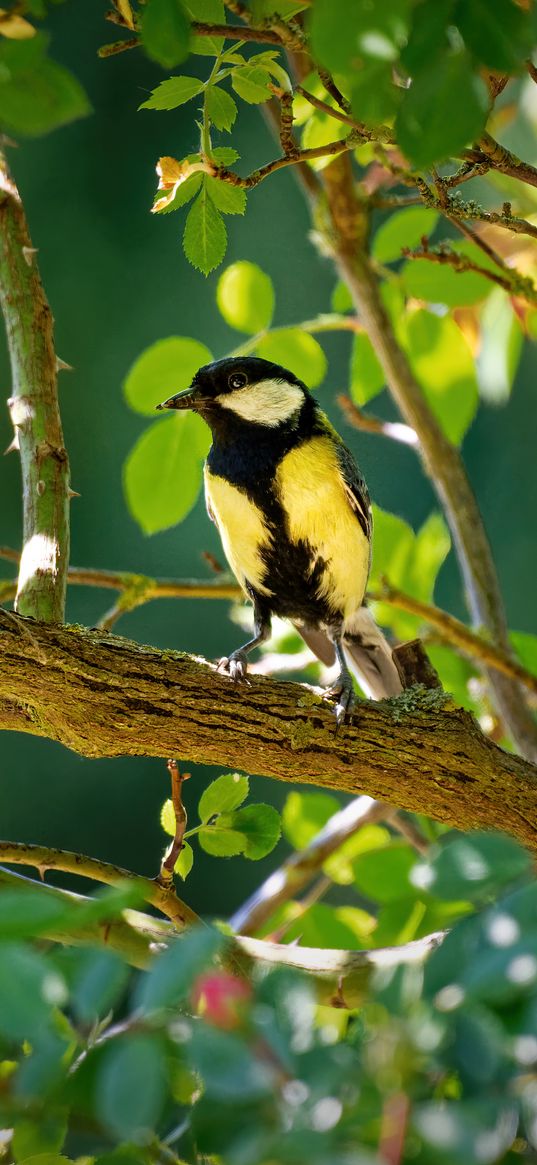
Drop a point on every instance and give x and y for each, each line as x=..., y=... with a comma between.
x=102, y=695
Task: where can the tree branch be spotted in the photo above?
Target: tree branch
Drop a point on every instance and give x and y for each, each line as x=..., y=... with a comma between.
x=341, y=977
x=35, y=415
x=47, y=858
x=441, y=460
x=508, y=278
x=106, y=696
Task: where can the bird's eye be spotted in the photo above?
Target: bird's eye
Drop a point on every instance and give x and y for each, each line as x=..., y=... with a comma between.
x=237, y=380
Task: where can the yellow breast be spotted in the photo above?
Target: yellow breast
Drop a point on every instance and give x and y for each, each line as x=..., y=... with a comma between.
x=241, y=528
x=315, y=500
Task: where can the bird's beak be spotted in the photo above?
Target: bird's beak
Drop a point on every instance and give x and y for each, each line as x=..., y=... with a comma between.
x=189, y=399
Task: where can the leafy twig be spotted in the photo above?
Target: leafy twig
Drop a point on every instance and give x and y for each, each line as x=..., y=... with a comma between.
x=511, y=281
x=168, y=864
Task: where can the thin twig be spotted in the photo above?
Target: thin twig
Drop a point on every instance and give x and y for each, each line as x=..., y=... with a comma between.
x=48, y=858
x=511, y=281
x=456, y=633
x=118, y=46
x=167, y=868
x=369, y=424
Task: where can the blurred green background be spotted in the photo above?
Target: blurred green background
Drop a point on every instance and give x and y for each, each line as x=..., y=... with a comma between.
x=117, y=281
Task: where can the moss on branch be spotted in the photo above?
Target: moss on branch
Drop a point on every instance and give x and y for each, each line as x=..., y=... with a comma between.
x=102, y=695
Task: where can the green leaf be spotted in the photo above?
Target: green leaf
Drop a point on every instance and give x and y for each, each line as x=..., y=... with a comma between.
x=443, y=364
x=245, y=297
x=296, y=350
x=172, y=974
x=184, y=193
x=206, y=12
x=319, y=130
x=40, y=1139
x=431, y=546
x=260, y=826
x=225, y=155
x=185, y=861
x=393, y=545
x=344, y=33
x=325, y=926
x=173, y=92
x=367, y=378
x=304, y=814
x=36, y=94
x=163, y=369
x=205, y=237
x=525, y=646
x=226, y=1065
x=131, y=1086
x=339, y=866
x=424, y=132
x=221, y=107
x=474, y=867
x=229, y=199
x=383, y=874
x=27, y=913
x=165, y=32
x=100, y=980
x=251, y=82
x=404, y=228
x=222, y=795
x=500, y=35
x=261, y=9
x=500, y=349
x=162, y=474
x=29, y=990
x=167, y=817
x=440, y=283
x=341, y=298
x=374, y=97
x=220, y=840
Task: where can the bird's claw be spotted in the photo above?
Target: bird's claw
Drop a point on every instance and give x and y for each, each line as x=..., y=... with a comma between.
x=343, y=692
x=235, y=665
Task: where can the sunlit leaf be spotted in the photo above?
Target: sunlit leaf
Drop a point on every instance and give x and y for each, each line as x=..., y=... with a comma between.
x=205, y=236
x=383, y=874
x=404, y=228
x=245, y=297
x=221, y=107
x=173, y=92
x=500, y=349
x=229, y=199
x=442, y=362
x=185, y=861
x=251, y=82
x=163, y=369
x=296, y=350
x=222, y=795
x=260, y=825
x=304, y=814
x=366, y=375
x=163, y=472
x=440, y=283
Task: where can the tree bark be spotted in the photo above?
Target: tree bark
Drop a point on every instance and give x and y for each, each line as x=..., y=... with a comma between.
x=102, y=695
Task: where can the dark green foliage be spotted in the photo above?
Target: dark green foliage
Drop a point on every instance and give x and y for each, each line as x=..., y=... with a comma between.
x=451, y=1050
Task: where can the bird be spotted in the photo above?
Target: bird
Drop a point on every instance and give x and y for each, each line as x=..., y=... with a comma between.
x=294, y=517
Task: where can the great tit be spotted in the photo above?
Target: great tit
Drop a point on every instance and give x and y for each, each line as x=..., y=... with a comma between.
x=294, y=516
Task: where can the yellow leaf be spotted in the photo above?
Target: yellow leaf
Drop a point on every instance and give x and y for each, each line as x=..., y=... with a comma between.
x=15, y=27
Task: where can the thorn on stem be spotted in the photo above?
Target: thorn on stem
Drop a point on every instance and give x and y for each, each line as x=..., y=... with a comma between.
x=13, y=446
x=29, y=253
x=62, y=366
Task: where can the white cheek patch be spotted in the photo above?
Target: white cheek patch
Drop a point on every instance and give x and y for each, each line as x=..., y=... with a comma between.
x=269, y=402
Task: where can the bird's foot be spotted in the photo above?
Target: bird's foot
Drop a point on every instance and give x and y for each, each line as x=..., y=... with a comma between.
x=343, y=692
x=235, y=666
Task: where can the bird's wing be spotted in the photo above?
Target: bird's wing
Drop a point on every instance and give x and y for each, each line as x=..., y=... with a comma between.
x=355, y=489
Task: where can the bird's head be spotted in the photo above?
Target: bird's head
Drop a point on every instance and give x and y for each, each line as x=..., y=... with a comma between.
x=243, y=389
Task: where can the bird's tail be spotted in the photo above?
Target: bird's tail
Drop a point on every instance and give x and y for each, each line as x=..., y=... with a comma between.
x=369, y=657
x=367, y=651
